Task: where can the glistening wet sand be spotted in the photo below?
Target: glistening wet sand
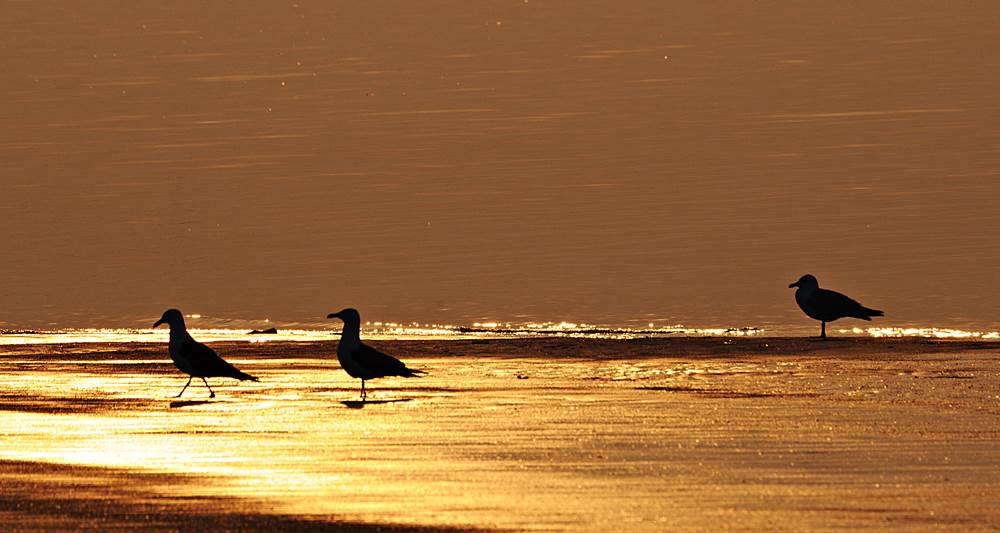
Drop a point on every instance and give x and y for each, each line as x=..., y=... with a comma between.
x=740, y=433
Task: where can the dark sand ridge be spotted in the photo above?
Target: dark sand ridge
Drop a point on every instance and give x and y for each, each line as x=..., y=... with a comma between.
x=44, y=496
x=694, y=433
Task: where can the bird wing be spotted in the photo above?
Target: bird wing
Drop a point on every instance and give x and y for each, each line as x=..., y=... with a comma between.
x=206, y=363
x=831, y=305
x=379, y=364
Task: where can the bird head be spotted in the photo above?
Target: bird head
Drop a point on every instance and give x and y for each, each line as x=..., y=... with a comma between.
x=349, y=315
x=807, y=281
x=172, y=317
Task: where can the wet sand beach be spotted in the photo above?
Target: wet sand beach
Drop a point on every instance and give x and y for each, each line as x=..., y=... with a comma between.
x=547, y=434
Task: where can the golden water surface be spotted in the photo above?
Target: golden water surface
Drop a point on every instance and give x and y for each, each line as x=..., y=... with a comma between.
x=605, y=162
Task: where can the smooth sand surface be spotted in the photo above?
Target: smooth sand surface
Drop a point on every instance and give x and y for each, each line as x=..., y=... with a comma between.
x=554, y=434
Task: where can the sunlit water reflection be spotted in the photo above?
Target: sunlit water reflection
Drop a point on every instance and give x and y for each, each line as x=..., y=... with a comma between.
x=491, y=330
x=548, y=433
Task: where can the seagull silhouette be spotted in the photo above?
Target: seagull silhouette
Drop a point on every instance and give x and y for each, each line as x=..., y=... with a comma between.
x=825, y=305
x=362, y=361
x=194, y=358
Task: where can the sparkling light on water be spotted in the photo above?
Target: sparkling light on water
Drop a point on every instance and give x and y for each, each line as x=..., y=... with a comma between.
x=478, y=330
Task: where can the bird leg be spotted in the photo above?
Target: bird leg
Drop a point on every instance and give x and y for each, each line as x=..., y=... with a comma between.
x=364, y=394
x=185, y=387
x=822, y=334
x=209, y=388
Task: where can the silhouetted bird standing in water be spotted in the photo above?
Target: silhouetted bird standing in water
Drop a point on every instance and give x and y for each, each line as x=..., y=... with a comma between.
x=194, y=358
x=362, y=361
x=827, y=306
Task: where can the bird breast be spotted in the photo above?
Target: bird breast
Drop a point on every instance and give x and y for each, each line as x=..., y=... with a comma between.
x=345, y=355
x=802, y=297
x=177, y=354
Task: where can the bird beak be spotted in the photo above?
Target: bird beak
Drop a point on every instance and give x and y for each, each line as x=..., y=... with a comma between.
x=158, y=322
x=333, y=315
x=790, y=285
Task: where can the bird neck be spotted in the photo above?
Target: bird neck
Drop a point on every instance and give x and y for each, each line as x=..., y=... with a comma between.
x=351, y=334
x=803, y=293
x=178, y=334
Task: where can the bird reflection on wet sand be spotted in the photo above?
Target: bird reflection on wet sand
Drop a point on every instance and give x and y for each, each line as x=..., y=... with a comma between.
x=361, y=404
x=673, y=433
x=187, y=403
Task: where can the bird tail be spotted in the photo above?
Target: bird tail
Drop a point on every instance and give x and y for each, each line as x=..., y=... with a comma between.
x=243, y=376
x=867, y=314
